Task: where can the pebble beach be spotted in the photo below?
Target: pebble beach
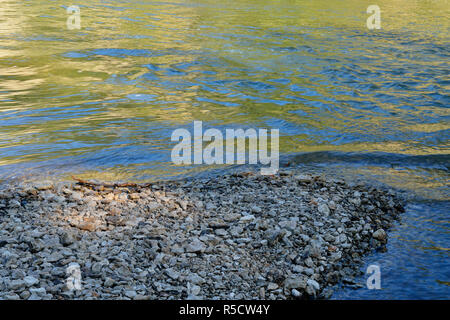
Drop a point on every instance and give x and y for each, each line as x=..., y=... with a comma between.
x=238, y=236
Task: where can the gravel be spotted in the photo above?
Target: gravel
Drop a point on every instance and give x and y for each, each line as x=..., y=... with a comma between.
x=238, y=236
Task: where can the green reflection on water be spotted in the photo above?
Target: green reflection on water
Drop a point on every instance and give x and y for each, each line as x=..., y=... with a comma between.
x=309, y=67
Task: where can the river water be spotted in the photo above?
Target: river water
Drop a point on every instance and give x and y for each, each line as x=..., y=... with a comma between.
x=102, y=101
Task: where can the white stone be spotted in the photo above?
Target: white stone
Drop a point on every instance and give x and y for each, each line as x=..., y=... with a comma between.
x=323, y=209
x=313, y=283
x=296, y=293
x=196, y=246
x=30, y=281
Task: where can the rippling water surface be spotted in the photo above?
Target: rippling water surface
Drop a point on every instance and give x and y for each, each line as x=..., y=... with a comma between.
x=102, y=101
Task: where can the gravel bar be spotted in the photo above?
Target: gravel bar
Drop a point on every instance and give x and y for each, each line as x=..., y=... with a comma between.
x=238, y=236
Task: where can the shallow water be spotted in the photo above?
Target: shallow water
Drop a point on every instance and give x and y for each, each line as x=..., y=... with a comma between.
x=101, y=102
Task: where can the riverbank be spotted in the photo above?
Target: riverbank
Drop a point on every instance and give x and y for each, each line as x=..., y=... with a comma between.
x=239, y=236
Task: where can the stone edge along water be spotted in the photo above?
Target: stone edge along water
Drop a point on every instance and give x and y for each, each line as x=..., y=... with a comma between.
x=237, y=236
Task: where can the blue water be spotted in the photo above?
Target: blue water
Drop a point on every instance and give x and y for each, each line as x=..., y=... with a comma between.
x=102, y=101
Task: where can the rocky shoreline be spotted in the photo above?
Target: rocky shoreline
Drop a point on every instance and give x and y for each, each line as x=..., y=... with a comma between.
x=237, y=236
